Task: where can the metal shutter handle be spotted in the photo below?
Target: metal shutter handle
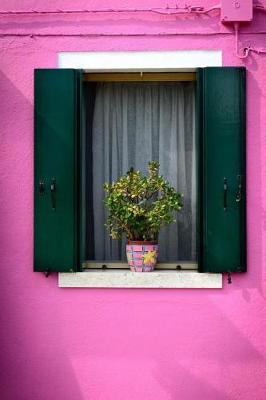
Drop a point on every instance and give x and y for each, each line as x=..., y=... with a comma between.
x=53, y=193
x=225, y=194
x=41, y=186
x=239, y=191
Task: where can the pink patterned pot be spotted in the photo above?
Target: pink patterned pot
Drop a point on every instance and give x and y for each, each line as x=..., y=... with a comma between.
x=142, y=256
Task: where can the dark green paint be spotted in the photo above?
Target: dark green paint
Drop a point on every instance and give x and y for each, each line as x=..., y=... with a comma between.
x=57, y=146
x=199, y=151
x=60, y=152
x=222, y=242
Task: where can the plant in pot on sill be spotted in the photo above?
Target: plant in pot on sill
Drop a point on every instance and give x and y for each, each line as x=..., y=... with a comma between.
x=139, y=206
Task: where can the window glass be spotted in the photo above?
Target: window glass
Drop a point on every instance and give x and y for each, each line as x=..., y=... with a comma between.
x=133, y=123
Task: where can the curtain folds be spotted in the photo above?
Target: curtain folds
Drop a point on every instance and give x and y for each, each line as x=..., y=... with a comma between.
x=134, y=123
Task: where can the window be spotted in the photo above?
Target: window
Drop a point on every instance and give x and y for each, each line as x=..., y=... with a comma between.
x=132, y=123
x=67, y=164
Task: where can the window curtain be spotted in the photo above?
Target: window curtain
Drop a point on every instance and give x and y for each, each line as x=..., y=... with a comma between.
x=132, y=124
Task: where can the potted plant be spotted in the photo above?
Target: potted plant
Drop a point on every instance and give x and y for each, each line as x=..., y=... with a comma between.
x=139, y=206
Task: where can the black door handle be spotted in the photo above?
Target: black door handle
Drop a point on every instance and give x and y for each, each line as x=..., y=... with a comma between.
x=53, y=193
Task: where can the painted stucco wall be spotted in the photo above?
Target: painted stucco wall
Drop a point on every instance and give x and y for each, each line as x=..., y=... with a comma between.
x=112, y=344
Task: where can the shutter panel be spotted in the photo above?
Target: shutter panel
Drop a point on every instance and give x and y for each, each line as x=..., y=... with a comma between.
x=56, y=170
x=222, y=168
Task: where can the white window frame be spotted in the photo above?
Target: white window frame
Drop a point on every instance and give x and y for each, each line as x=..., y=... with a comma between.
x=140, y=61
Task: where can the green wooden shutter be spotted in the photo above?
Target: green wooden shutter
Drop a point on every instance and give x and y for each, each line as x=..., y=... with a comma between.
x=57, y=166
x=222, y=176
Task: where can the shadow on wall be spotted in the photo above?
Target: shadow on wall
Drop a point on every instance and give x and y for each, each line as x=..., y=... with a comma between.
x=256, y=215
x=178, y=380
x=116, y=23
x=34, y=365
x=163, y=349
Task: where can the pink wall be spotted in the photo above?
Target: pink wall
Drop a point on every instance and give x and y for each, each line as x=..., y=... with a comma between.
x=76, y=344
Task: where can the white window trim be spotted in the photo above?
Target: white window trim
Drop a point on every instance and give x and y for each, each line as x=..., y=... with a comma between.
x=128, y=279
x=130, y=61
x=140, y=61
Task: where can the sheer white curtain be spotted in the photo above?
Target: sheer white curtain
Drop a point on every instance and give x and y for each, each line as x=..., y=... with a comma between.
x=132, y=124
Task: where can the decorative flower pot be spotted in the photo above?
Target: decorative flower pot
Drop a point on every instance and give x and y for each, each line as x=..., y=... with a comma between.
x=142, y=255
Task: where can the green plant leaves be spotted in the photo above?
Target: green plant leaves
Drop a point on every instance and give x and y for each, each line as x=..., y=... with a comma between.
x=140, y=206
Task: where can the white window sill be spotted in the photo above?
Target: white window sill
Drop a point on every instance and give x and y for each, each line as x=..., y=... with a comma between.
x=128, y=279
